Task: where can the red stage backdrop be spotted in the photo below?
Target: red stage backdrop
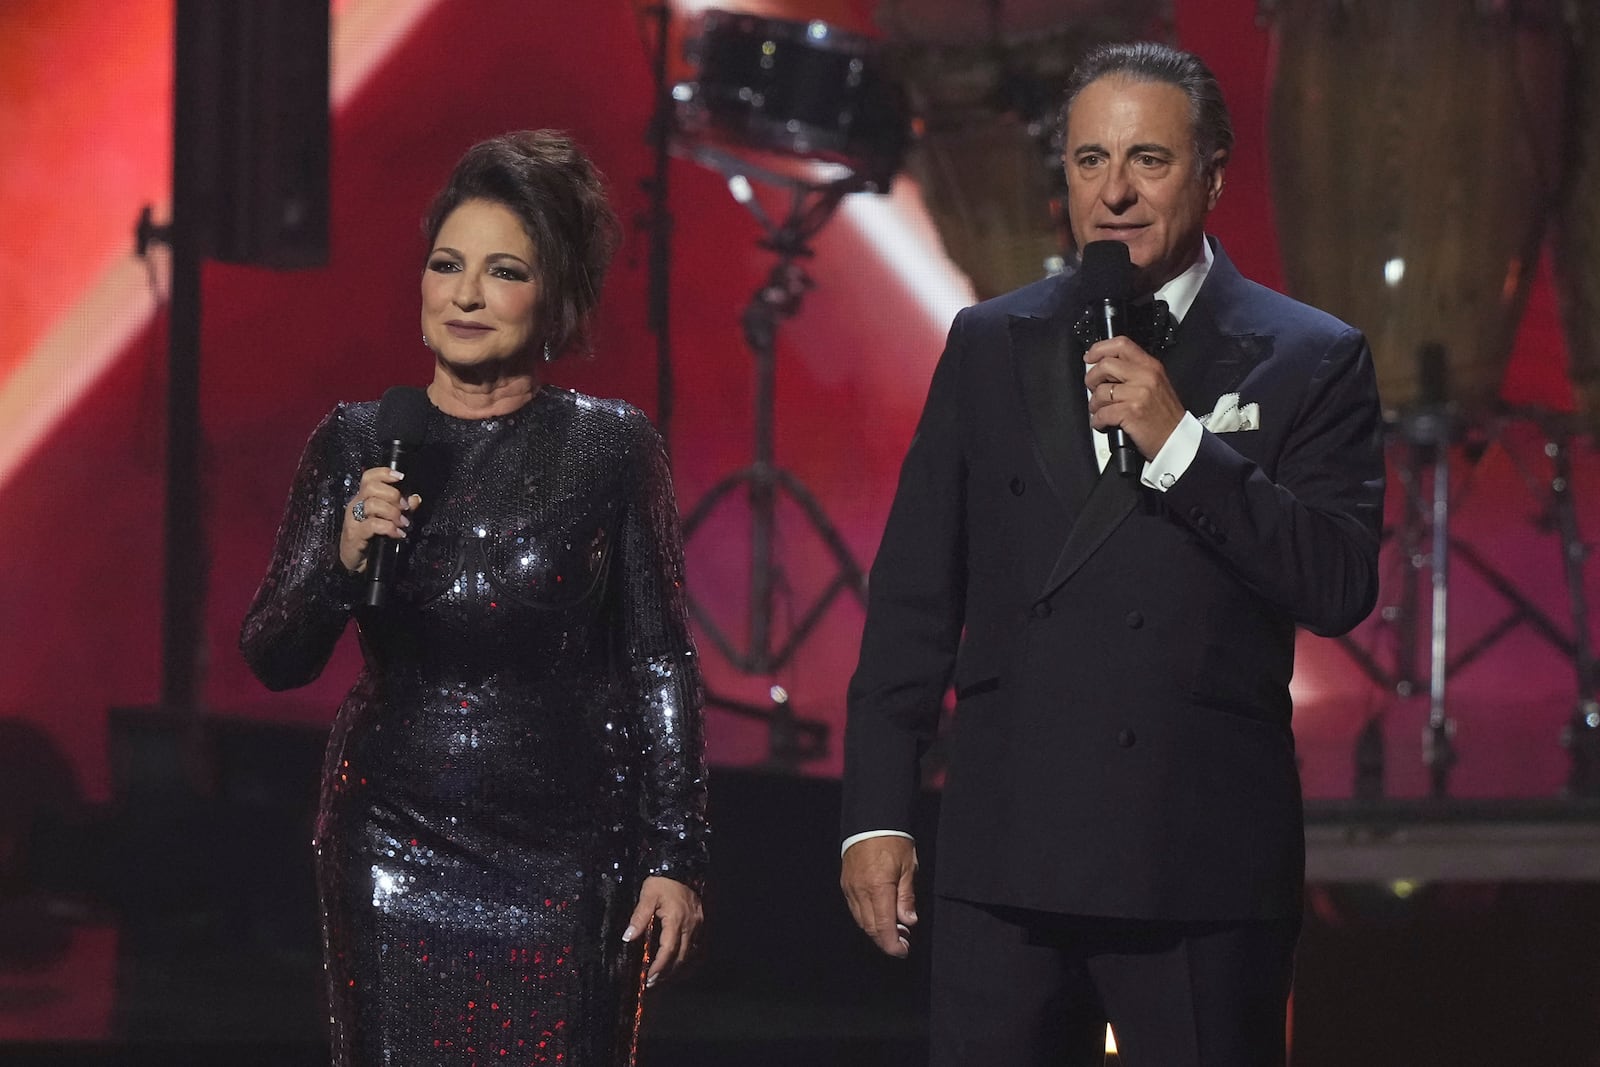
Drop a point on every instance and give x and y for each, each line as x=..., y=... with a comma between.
x=85, y=113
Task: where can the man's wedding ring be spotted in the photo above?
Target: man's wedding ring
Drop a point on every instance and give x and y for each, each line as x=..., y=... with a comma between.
x=358, y=510
x=1111, y=393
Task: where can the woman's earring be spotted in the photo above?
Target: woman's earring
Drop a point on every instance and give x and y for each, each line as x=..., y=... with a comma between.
x=425, y=343
x=548, y=355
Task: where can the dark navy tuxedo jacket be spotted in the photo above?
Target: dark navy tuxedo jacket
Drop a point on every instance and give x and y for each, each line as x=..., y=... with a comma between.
x=1121, y=656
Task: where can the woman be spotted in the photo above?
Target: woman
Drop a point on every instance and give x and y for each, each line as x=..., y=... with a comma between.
x=514, y=791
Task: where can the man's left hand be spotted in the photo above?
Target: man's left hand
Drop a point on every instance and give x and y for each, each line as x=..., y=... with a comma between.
x=1128, y=387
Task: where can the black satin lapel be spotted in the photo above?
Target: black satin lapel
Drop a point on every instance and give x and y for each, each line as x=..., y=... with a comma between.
x=1050, y=377
x=1113, y=497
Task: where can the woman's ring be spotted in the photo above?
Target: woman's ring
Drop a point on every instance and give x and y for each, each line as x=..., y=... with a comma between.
x=358, y=510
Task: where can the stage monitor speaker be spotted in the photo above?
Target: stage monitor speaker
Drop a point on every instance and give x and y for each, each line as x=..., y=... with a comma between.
x=250, y=175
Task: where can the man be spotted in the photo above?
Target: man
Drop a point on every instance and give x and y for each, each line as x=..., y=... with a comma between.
x=1121, y=833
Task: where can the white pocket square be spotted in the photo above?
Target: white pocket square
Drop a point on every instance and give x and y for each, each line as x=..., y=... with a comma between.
x=1229, y=417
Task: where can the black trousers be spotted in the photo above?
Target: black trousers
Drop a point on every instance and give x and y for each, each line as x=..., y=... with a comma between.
x=1036, y=989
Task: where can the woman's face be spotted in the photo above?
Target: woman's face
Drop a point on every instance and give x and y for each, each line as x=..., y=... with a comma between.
x=480, y=296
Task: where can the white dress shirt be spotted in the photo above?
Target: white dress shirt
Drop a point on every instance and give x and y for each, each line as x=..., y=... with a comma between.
x=1162, y=471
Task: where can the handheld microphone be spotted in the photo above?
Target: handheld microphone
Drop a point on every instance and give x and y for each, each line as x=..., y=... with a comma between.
x=402, y=424
x=1107, y=273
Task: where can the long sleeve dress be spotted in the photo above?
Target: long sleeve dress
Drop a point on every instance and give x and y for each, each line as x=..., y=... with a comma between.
x=523, y=746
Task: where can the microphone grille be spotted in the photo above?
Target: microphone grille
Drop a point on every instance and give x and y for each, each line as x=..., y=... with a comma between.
x=1107, y=271
x=403, y=414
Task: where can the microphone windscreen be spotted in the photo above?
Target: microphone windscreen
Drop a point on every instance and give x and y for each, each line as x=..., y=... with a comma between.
x=403, y=415
x=1107, y=271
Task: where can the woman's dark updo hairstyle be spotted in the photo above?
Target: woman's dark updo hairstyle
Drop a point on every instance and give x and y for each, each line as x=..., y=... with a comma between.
x=555, y=190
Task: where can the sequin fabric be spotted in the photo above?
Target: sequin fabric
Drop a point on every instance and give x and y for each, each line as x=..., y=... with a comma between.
x=523, y=746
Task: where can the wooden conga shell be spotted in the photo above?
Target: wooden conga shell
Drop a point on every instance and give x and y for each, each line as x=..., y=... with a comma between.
x=988, y=189
x=985, y=158
x=1416, y=154
x=1577, y=230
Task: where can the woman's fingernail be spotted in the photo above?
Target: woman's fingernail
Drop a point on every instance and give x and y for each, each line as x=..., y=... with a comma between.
x=405, y=522
x=629, y=934
x=649, y=983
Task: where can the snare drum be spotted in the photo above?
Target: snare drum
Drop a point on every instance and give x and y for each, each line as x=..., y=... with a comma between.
x=1416, y=153
x=805, y=89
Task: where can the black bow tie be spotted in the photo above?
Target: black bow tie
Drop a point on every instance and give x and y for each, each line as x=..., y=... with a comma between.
x=1150, y=324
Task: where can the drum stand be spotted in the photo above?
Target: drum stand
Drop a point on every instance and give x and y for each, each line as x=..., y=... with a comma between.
x=811, y=205
x=1581, y=736
x=1425, y=543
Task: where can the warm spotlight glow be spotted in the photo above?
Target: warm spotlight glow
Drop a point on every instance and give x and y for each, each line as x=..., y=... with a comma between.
x=72, y=356
x=364, y=33
x=898, y=229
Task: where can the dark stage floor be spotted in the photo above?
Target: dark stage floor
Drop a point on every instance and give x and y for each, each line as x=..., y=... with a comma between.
x=163, y=931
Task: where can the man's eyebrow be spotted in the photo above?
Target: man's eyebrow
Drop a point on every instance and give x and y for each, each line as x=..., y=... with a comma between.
x=1081, y=149
x=1154, y=148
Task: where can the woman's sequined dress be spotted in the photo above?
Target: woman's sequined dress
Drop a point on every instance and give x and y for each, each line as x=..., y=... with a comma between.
x=523, y=746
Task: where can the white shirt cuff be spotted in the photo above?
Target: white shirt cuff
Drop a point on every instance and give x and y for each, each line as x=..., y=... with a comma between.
x=1168, y=465
x=853, y=838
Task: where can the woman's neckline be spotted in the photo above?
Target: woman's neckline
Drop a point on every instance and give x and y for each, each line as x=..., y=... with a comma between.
x=538, y=394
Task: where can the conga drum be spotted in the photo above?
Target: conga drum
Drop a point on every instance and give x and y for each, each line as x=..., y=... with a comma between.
x=987, y=174
x=1577, y=231
x=1417, y=151
x=985, y=83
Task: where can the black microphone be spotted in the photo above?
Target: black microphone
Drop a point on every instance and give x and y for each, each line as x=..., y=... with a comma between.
x=402, y=424
x=1107, y=274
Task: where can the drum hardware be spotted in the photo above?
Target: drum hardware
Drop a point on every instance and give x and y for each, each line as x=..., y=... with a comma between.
x=799, y=108
x=1581, y=736
x=1422, y=445
x=1400, y=85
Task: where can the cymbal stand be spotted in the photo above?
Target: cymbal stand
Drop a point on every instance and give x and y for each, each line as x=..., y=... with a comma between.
x=1424, y=542
x=1428, y=431
x=811, y=205
x=1581, y=736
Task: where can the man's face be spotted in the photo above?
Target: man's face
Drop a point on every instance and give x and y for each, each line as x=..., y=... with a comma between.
x=1132, y=175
